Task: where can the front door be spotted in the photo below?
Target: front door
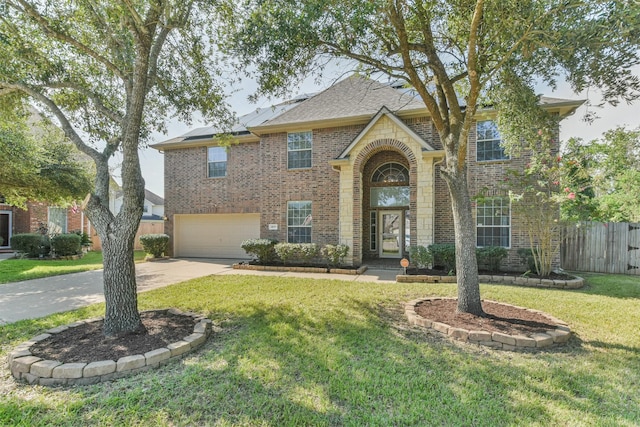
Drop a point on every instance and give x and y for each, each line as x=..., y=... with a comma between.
x=5, y=228
x=391, y=234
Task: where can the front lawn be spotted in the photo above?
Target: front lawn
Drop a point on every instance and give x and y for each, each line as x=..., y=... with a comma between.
x=302, y=352
x=16, y=270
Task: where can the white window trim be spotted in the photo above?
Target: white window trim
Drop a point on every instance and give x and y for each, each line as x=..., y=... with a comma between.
x=309, y=226
x=478, y=140
x=509, y=227
x=310, y=149
x=226, y=162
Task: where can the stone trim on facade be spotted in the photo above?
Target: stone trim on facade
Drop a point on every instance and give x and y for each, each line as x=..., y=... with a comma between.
x=559, y=335
x=28, y=368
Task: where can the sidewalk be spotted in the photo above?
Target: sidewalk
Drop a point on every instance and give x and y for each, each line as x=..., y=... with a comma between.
x=40, y=297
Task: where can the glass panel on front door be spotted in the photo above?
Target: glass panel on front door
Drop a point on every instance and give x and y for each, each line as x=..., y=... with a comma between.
x=391, y=238
x=5, y=229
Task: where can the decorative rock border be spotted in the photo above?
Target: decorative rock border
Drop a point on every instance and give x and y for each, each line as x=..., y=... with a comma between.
x=240, y=266
x=559, y=335
x=33, y=370
x=576, y=283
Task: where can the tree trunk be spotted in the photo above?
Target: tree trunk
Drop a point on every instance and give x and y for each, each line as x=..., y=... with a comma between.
x=120, y=288
x=465, y=241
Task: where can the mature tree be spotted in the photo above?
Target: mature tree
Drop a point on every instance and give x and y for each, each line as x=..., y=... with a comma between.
x=109, y=72
x=37, y=163
x=459, y=55
x=610, y=177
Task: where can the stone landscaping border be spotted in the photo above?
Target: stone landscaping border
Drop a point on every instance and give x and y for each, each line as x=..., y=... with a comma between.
x=559, y=335
x=28, y=368
x=576, y=283
x=240, y=266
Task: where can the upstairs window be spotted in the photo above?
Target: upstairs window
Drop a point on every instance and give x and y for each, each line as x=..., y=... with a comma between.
x=488, y=142
x=217, y=162
x=299, y=145
x=493, y=219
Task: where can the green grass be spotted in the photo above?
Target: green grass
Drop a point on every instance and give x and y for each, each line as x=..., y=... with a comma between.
x=16, y=270
x=297, y=352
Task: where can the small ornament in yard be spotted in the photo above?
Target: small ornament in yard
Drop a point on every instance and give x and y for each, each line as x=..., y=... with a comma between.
x=404, y=263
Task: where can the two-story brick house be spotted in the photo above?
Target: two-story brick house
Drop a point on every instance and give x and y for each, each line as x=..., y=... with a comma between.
x=355, y=164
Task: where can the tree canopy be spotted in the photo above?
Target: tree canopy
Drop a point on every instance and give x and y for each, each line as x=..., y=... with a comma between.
x=109, y=72
x=460, y=56
x=605, y=173
x=38, y=163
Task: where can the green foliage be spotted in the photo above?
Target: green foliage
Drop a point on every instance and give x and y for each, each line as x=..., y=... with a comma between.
x=490, y=257
x=334, y=255
x=527, y=259
x=420, y=256
x=66, y=244
x=155, y=244
x=262, y=249
x=609, y=171
x=36, y=163
x=444, y=255
x=296, y=252
x=32, y=245
x=85, y=240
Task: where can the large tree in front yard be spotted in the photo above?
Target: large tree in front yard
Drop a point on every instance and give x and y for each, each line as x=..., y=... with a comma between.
x=460, y=56
x=109, y=72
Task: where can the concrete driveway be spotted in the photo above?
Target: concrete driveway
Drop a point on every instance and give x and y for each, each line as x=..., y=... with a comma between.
x=40, y=297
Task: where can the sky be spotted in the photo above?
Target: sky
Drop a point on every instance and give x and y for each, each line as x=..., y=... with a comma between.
x=609, y=117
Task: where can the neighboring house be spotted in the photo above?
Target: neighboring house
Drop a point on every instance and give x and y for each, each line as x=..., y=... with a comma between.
x=356, y=164
x=39, y=217
x=152, y=221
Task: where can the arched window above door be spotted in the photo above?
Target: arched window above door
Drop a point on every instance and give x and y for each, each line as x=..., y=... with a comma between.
x=391, y=172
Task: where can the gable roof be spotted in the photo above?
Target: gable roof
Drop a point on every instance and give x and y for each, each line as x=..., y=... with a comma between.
x=153, y=198
x=353, y=99
x=384, y=111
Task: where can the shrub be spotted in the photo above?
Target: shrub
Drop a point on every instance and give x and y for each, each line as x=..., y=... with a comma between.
x=85, y=240
x=334, y=255
x=490, y=257
x=307, y=252
x=444, y=255
x=526, y=257
x=32, y=245
x=262, y=249
x=287, y=252
x=154, y=244
x=66, y=244
x=420, y=256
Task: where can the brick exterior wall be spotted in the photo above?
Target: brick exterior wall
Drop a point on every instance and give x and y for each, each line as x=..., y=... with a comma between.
x=258, y=181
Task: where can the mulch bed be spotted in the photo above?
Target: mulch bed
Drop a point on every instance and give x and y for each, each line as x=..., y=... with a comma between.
x=86, y=343
x=500, y=318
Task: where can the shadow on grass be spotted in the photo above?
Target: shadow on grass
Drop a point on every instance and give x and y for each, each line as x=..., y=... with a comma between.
x=349, y=361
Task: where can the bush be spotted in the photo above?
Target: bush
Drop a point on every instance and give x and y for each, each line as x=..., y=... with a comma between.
x=85, y=240
x=32, y=245
x=526, y=257
x=296, y=252
x=420, y=256
x=262, y=249
x=490, y=257
x=334, y=255
x=444, y=256
x=66, y=244
x=154, y=244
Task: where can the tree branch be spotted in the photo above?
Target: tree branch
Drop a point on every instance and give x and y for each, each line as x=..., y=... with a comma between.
x=65, y=38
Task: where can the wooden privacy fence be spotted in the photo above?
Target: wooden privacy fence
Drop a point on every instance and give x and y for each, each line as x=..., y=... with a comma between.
x=612, y=247
x=146, y=227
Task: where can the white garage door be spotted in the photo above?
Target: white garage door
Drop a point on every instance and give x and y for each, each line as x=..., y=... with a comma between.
x=214, y=236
